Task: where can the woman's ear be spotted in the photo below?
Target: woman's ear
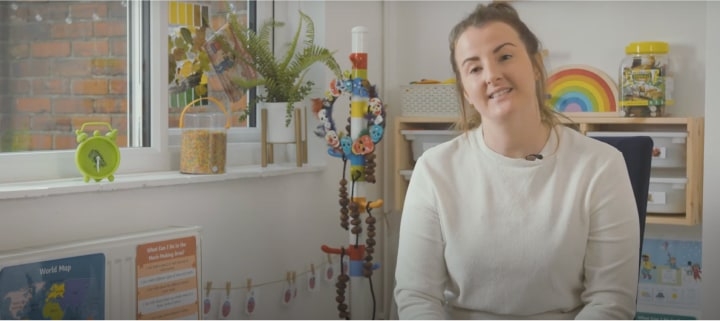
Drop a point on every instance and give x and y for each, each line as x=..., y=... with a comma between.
x=539, y=65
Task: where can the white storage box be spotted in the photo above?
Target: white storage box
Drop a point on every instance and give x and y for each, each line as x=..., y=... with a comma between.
x=422, y=140
x=430, y=100
x=669, y=148
x=406, y=173
x=666, y=195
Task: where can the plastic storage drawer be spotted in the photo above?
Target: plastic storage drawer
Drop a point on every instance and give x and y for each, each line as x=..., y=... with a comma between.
x=666, y=195
x=669, y=148
x=422, y=140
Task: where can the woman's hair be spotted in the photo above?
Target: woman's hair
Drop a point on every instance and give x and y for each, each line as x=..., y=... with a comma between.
x=505, y=13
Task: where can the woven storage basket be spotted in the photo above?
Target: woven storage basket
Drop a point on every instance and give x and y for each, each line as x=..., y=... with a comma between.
x=430, y=100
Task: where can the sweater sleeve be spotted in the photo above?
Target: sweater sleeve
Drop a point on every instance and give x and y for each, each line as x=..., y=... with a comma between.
x=613, y=246
x=420, y=273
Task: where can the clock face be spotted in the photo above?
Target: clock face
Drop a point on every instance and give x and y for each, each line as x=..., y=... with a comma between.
x=97, y=158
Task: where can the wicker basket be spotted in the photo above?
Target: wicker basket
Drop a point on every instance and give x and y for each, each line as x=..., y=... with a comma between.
x=430, y=100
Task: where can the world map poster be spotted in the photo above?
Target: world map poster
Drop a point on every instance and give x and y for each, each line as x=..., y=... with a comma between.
x=70, y=288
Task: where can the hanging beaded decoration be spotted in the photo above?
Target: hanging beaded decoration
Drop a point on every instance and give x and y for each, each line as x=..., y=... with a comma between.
x=361, y=154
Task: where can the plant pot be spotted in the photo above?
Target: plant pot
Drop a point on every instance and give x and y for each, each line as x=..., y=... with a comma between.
x=277, y=132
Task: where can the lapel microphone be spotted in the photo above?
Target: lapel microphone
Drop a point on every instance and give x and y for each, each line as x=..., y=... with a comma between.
x=532, y=157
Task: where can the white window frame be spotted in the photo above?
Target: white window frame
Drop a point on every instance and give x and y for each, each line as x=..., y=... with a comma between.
x=163, y=155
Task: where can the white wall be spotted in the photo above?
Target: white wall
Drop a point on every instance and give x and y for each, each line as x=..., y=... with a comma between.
x=257, y=228
x=711, y=203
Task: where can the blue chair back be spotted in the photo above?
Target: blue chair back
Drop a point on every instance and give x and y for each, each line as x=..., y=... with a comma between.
x=637, y=151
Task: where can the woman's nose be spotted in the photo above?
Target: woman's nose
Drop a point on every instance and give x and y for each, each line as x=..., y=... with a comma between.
x=492, y=73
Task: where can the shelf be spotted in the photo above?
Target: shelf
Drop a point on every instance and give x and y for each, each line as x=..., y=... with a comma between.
x=694, y=126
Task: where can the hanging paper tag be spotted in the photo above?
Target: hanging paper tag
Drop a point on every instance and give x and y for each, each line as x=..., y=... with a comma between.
x=226, y=309
x=311, y=281
x=329, y=272
x=210, y=307
x=250, y=302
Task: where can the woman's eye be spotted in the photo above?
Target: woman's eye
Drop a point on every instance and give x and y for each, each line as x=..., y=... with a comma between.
x=475, y=69
x=505, y=57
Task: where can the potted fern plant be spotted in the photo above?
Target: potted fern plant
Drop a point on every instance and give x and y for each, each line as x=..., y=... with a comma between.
x=282, y=76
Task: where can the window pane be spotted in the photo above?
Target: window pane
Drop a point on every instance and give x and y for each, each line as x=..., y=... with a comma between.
x=190, y=73
x=62, y=63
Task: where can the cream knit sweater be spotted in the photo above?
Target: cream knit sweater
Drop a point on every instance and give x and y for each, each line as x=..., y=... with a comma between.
x=486, y=236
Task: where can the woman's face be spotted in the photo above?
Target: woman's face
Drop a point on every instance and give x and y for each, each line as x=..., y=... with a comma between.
x=496, y=71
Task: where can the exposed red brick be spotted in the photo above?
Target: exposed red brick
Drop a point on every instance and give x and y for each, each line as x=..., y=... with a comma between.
x=29, y=31
x=32, y=105
x=119, y=123
x=49, y=86
x=78, y=121
x=20, y=121
x=44, y=49
x=64, y=141
x=50, y=11
x=109, y=105
x=73, y=105
x=87, y=10
x=28, y=68
x=118, y=47
x=63, y=30
x=109, y=67
x=73, y=67
x=118, y=86
x=42, y=122
x=20, y=51
x=91, y=48
x=121, y=140
x=40, y=142
x=16, y=141
x=117, y=10
x=109, y=28
x=90, y=86
x=20, y=86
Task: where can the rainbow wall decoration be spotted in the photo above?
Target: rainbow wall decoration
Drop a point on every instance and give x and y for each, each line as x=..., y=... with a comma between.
x=581, y=88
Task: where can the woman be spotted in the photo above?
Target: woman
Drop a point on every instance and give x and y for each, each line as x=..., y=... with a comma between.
x=520, y=217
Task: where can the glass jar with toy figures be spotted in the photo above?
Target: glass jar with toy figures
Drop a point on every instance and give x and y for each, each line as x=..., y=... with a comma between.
x=646, y=82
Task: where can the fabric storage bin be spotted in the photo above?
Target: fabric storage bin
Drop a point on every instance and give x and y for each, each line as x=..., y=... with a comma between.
x=666, y=195
x=430, y=100
x=422, y=140
x=669, y=148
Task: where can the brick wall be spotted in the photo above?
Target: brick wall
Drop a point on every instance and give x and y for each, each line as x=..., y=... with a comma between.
x=64, y=63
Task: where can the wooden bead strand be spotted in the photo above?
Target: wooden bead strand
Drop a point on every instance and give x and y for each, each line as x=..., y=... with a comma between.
x=355, y=215
x=341, y=285
x=370, y=167
x=344, y=199
x=369, y=244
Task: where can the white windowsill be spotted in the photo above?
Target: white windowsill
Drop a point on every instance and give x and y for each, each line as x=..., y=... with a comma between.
x=143, y=180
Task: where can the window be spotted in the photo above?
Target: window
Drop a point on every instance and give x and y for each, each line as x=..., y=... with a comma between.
x=65, y=63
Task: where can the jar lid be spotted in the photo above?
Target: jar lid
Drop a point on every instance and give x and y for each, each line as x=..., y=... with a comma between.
x=646, y=47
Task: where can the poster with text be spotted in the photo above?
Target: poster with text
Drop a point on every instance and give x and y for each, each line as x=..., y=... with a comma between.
x=167, y=286
x=70, y=288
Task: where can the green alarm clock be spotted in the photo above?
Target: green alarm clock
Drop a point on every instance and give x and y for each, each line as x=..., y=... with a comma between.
x=98, y=156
